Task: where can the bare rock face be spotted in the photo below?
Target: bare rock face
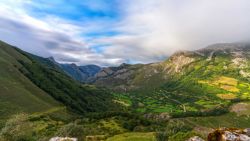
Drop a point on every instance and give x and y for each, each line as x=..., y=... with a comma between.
x=230, y=134
x=104, y=72
x=195, y=138
x=179, y=61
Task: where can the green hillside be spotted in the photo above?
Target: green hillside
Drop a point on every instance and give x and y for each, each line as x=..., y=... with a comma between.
x=37, y=98
x=46, y=80
x=17, y=92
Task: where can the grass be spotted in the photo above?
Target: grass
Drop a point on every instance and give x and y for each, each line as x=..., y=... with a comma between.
x=112, y=124
x=227, y=96
x=17, y=93
x=229, y=88
x=135, y=136
x=225, y=83
x=227, y=120
x=123, y=99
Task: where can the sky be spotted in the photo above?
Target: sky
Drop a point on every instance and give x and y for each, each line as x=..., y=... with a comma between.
x=111, y=32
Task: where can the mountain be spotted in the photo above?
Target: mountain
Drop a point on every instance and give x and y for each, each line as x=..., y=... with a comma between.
x=38, y=100
x=179, y=64
x=80, y=73
x=208, y=79
x=17, y=92
x=187, y=95
x=31, y=84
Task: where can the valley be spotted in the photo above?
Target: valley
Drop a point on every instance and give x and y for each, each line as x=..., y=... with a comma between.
x=189, y=94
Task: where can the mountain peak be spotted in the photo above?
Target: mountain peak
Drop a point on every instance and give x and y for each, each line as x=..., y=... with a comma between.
x=51, y=58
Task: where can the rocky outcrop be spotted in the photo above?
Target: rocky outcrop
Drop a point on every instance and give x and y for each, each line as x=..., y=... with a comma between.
x=230, y=134
x=63, y=139
x=179, y=60
x=226, y=134
x=157, y=117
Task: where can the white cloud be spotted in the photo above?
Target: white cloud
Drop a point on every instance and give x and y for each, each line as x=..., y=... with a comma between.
x=149, y=30
x=48, y=36
x=160, y=27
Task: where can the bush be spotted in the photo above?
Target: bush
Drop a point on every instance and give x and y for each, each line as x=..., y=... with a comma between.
x=182, y=136
x=173, y=128
x=71, y=130
x=162, y=136
x=18, y=128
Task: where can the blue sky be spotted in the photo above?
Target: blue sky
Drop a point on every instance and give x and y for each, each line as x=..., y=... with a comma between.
x=77, y=9
x=111, y=32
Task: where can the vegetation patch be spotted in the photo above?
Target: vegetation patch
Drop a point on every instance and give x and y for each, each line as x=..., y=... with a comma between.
x=229, y=88
x=241, y=108
x=225, y=83
x=133, y=137
x=226, y=80
x=229, y=96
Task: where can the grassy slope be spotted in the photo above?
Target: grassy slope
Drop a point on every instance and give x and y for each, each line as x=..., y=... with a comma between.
x=48, y=80
x=80, y=98
x=30, y=84
x=18, y=93
x=133, y=137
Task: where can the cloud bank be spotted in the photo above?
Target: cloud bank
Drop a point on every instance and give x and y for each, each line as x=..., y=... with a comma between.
x=112, y=32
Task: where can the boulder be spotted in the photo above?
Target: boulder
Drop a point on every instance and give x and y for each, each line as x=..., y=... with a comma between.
x=63, y=139
x=247, y=131
x=195, y=138
x=229, y=134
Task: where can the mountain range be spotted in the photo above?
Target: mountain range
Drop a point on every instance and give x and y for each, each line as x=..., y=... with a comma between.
x=209, y=84
x=217, y=73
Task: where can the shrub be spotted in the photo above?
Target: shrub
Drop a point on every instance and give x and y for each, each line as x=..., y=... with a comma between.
x=18, y=128
x=162, y=136
x=71, y=130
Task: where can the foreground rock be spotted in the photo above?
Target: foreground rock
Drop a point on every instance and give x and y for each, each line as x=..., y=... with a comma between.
x=63, y=139
x=230, y=134
x=195, y=138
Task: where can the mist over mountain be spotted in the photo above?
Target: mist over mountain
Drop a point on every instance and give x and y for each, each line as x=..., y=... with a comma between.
x=124, y=70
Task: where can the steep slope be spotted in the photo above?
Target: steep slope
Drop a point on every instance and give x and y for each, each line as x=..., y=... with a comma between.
x=38, y=100
x=17, y=92
x=78, y=97
x=80, y=73
x=41, y=79
x=118, y=78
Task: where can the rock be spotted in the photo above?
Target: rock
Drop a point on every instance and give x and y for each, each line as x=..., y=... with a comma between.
x=157, y=117
x=195, y=138
x=229, y=134
x=243, y=137
x=63, y=139
x=247, y=131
